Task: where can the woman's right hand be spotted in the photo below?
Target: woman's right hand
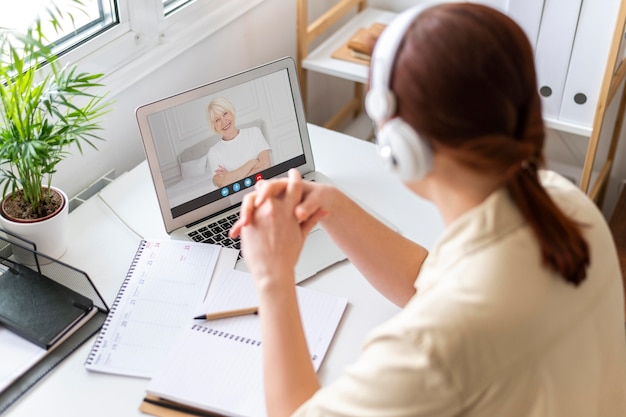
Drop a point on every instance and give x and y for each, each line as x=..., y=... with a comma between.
x=316, y=201
x=220, y=170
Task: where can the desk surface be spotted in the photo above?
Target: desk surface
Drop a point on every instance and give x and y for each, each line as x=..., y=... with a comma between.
x=105, y=232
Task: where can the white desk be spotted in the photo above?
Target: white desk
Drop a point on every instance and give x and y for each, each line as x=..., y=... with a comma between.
x=103, y=244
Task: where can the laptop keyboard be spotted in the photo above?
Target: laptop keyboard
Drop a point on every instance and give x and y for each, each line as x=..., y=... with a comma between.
x=217, y=233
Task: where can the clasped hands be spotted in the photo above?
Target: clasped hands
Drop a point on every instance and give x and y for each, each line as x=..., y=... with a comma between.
x=275, y=220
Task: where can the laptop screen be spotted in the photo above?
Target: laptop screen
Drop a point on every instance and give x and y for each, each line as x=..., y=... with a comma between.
x=208, y=146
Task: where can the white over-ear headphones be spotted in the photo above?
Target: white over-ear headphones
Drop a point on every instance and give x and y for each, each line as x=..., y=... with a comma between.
x=399, y=144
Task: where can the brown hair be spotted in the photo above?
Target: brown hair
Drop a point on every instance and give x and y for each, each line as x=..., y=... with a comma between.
x=465, y=79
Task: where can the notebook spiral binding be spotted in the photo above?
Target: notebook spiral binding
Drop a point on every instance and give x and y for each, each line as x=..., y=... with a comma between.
x=226, y=335
x=105, y=326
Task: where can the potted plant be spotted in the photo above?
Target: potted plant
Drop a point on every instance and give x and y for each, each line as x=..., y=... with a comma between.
x=45, y=111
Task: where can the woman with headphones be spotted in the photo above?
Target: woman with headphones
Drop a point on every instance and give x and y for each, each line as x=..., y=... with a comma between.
x=518, y=309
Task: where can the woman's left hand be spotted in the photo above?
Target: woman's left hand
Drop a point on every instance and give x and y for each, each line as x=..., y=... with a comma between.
x=271, y=242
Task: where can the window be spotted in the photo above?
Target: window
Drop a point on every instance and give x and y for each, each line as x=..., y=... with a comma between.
x=170, y=6
x=94, y=18
x=123, y=39
x=91, y=19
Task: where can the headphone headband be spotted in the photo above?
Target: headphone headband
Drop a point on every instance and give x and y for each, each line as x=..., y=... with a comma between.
x=380, y=102
x=405, y=152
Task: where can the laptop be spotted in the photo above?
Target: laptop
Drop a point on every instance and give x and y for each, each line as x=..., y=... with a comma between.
x=178, y=138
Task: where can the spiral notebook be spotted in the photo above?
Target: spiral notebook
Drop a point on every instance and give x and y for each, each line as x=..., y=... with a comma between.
x=216, y=366
x=166, y=283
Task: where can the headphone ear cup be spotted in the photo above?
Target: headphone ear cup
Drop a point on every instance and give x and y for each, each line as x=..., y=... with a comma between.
x=408, y=155
x=380, y=104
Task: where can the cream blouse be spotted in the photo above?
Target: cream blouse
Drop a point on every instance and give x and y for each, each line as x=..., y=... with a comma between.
x=492, y=332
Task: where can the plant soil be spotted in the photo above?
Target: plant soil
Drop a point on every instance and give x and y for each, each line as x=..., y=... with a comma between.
x=14, y=207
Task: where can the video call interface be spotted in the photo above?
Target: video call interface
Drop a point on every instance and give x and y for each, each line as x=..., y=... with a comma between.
x=286, y=150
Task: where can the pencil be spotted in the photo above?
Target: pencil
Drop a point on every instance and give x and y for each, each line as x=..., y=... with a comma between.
x=228, y=313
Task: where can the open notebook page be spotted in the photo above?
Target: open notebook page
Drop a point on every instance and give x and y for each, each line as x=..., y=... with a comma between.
x=217, y=365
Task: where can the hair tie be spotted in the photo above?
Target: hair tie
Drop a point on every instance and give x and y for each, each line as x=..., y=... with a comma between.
x=530, y=165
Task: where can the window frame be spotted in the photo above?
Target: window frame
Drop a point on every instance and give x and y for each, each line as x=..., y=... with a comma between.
x=128, y=51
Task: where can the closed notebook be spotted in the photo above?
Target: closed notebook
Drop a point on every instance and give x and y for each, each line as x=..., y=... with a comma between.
x=36, y=307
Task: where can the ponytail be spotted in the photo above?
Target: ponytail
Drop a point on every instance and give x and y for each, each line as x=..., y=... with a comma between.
x=563, y=248
x=481, y=107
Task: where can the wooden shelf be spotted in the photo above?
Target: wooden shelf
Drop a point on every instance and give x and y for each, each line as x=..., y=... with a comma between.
x=611, y=87
x=576, y=129
x=320, y=59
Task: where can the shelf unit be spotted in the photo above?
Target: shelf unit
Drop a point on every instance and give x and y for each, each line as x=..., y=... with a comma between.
x=612, y=87
x=320, y=58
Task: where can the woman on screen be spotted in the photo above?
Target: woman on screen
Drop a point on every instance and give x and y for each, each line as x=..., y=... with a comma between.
x=240, y=152
x=518, y=308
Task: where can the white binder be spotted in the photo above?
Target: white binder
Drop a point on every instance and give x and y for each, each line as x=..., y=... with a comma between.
x=588, y=61
x=500, y=5
x=527, y=14
x=553, y=50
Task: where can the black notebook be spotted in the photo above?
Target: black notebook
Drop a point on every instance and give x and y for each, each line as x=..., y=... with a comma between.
x=36, y=307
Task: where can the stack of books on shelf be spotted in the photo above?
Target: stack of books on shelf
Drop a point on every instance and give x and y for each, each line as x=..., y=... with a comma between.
x=360, y=46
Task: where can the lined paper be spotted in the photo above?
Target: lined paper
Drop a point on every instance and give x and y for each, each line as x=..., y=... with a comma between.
x=217, y=366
